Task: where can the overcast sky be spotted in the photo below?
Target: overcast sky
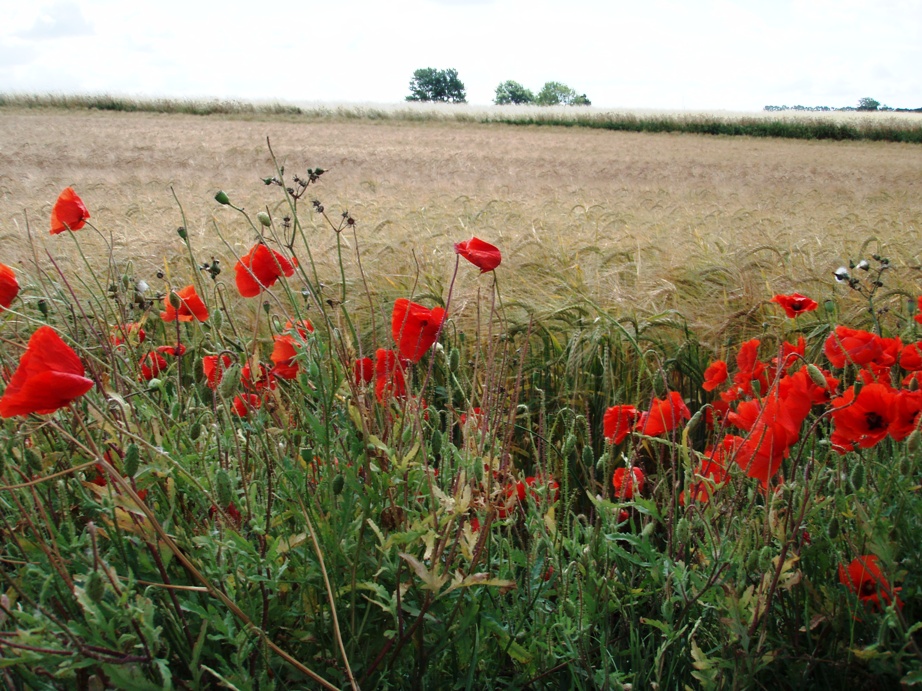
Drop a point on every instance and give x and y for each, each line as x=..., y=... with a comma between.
x=670, y=54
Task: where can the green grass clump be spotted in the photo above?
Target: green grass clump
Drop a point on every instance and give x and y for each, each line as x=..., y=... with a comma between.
x=306, y=529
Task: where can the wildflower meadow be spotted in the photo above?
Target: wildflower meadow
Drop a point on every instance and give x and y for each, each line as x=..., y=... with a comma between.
x=259, y=471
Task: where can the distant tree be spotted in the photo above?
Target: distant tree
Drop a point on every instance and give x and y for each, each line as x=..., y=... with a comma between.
x=555, y=94
x=513, y=92
x=868, y=103
x=430, y=84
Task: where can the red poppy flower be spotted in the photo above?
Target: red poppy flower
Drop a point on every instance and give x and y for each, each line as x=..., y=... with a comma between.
x=475, y=416
x=918, y=316
x=244, y=403
x=861, y=420
x=628, y=482
x=513, y=495
x=175, y=351
x=750, y=368
x=69, y=212
x=389, y=380
x=132, y=333
x=852, y=345
x=664, y=415
x=715, y=375
x=190, y=307
x=258, y=381
x=791, y=353
x=303, y=327
x=542, y=486
x=260, y=268
x=712, y=472
x=906, y=407
x=864, y=578
x=9, y=287
x=415, y=328
x=481, y=254
x=283, y=355
x=49, y=376
x=213, y=373
x=618, y=421
x=795, y=304
x=364, y=371
x=101, y=479
x=151, y=365
x=911, y=357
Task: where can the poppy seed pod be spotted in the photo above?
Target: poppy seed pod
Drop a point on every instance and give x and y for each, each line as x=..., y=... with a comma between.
x=221, y=198
x=817, y=376
x=264, y=219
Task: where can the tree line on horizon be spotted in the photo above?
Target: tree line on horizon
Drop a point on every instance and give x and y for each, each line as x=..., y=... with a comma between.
x=866, y=105
x=435, y=85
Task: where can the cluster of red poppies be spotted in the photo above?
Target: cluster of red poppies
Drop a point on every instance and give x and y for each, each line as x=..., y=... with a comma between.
x=765, y=406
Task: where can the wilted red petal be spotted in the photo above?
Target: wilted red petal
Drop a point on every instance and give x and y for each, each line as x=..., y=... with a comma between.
x=49, y=376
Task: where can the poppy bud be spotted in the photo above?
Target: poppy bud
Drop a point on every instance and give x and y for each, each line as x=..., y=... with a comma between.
x=682, y=531
x=816, y=375
x=912, y=443
x=454, y=359
x=338, y=483
x=435, y=442
x=196, y=430
x=832, y=528
x=696, y=418
x=154, y=384
x=307, y=454
x=229, y=383
x=175, y=301
x=33, y=461
x=132, y=457
x=765, y=558
x=94, y=587
x=264, y=219
x=217, y=318
x=857, y=386
x=181, y=232
x=857, y=477
x=752, y=561
x=221, y=198
x=588, y=457
x=43, y=308
x=568, y=445
x=223, y=487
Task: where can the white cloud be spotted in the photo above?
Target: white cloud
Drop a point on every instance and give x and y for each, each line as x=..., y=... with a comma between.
x=61, y=20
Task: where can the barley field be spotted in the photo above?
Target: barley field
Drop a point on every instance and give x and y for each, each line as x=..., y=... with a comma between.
x=705, y=226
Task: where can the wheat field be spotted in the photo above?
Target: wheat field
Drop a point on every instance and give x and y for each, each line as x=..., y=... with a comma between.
x=636, y=223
